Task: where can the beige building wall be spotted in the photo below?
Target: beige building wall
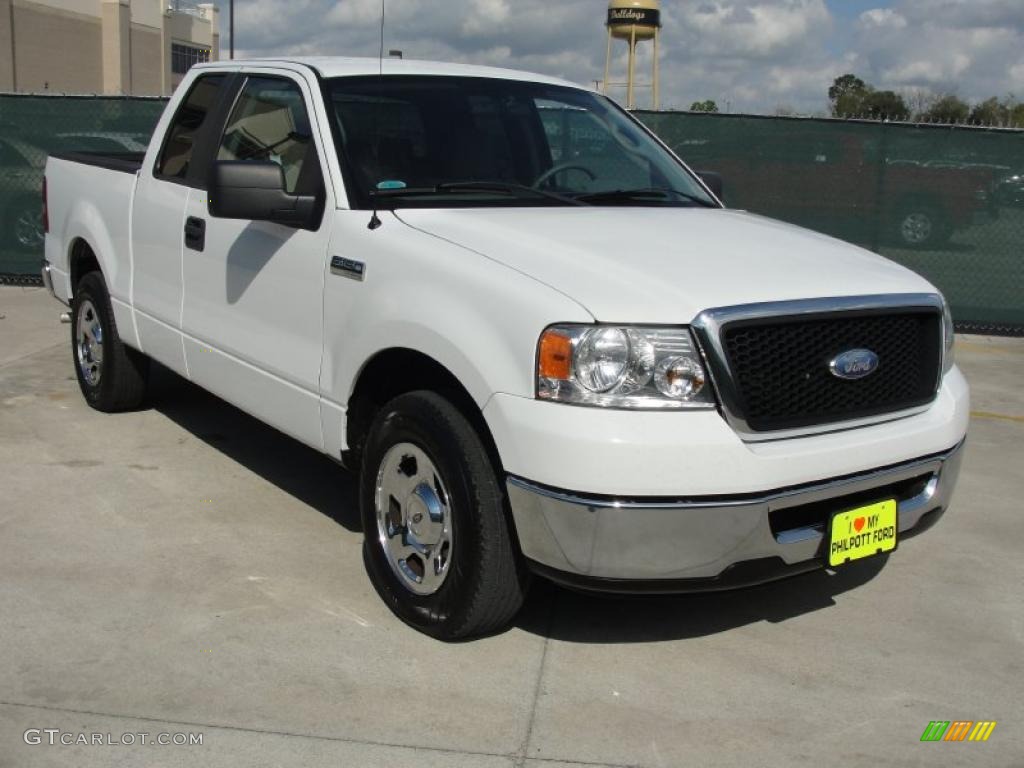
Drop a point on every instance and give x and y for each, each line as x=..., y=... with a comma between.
x=98, y=46
x=147, y=60
x=211, y=13
x=56, y=49
x=117, y=50
x=149, y=13
x=6, y=47
x=185, y=29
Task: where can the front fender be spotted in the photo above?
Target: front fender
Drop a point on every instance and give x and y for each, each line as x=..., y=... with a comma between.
x=476, y=317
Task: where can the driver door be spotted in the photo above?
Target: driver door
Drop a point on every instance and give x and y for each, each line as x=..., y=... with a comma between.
x=253, y=305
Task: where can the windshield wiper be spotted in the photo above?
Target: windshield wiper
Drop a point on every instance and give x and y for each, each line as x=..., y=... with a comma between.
x=647, y=193
x=518, y=190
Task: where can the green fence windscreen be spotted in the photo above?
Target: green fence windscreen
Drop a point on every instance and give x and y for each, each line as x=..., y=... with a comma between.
x=947, y=202
x=31, y=127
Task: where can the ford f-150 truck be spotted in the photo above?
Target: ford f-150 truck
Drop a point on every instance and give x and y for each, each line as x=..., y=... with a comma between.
x=539, y=338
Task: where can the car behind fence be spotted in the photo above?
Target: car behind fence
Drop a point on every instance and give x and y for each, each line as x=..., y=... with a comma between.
x=947, y=201
x=31, y=127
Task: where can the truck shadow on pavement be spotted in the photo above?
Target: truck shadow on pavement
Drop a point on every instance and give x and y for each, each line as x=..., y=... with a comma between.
x=578, y=617
x=550, y=610
x=307, y=475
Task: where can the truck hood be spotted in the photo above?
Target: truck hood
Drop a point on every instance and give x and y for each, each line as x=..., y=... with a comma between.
x=666, y=265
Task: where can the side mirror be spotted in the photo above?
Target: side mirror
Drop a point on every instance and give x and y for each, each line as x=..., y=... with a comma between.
x=713, y=181
x=256, y=191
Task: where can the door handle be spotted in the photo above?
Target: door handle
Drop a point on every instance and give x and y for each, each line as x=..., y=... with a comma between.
x=195, y=233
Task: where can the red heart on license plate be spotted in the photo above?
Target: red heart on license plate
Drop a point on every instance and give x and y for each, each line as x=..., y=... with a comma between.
x=858, y=523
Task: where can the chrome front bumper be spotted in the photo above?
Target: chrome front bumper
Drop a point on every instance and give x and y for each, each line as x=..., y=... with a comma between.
x=607, y=542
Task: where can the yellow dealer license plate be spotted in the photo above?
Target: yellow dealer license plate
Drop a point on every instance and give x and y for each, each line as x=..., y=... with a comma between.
x=862, y=532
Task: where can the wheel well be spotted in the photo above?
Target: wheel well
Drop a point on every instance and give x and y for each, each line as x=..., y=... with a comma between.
x=394, y=372
x=918, y=202
x=82, y=261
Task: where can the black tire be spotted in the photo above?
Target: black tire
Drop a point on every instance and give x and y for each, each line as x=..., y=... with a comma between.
x=121, y=373
x=920, y=225
x=485, y=582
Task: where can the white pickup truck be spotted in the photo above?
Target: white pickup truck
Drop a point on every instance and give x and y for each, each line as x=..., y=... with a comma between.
x=540, y=339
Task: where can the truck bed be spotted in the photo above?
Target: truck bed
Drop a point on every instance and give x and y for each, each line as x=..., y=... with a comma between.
x=123, y=162
x=89, y=197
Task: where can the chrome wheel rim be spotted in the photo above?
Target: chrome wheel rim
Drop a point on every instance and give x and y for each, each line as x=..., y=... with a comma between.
x=89, y=343
x=28, y=229
x=917, y=228
x=414, y=525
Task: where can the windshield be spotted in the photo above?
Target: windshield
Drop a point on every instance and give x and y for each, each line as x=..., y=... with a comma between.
x=424, y=141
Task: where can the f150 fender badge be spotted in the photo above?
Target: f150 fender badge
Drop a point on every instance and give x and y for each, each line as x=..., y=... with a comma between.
x=854, y=364
x=353, y=270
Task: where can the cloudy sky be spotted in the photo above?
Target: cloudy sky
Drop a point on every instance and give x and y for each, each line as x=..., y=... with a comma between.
x=754, y=55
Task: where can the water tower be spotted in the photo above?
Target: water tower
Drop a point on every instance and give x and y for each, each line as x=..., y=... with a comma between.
x=633, y=21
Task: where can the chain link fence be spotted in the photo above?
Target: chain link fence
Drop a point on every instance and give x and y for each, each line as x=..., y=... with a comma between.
x=946, y=201
x=31, y=127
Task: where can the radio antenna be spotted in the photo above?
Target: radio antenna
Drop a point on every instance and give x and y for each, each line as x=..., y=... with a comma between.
x=375, y=221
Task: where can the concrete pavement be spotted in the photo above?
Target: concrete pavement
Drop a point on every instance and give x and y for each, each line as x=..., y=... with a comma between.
x=186, y=569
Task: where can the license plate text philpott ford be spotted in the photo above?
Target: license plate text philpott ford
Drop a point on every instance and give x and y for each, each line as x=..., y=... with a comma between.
x=862, y=532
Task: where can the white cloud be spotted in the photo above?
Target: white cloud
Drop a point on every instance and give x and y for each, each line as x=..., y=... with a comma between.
x=358, y=13
x=753, y=54
x=882, y=17
x=756, y=29
x=484, y=15
x=970, y=48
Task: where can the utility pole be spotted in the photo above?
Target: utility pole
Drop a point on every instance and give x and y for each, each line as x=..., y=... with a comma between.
x=231, y=26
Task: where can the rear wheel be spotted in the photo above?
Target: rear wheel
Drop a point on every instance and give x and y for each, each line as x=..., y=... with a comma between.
x=24, y=226
x=112, y=377
x=920, y=225
x=439, y=546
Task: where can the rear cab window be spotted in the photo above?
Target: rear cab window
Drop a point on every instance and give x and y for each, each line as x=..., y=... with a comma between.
x=193, y=115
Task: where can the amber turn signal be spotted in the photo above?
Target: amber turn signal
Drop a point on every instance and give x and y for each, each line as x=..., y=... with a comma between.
x=555, y=357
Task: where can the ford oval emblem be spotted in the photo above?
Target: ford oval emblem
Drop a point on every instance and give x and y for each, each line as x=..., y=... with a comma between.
x=854, y=364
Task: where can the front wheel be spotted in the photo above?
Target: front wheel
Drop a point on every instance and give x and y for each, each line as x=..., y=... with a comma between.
x=112, y=377
x=439, y=545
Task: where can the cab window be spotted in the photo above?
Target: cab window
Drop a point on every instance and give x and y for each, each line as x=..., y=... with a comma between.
x=176, y=155
x=269, y=123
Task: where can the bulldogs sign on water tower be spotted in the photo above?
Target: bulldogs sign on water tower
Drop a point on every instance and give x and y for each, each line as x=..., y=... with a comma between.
x=633, y=21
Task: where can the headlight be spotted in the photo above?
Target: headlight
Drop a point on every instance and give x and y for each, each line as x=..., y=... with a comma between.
x=947, y=337
x=622, y=367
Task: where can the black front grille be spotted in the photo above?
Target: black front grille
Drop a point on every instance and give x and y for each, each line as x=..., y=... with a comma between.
x=780, y=366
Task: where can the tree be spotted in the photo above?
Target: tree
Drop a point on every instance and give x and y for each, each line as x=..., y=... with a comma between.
x=991, y=112
x=885, y=105
x=1016, y=117
x=707, y=105
x=919, y=100
x=846, y=95
x=948, y=109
